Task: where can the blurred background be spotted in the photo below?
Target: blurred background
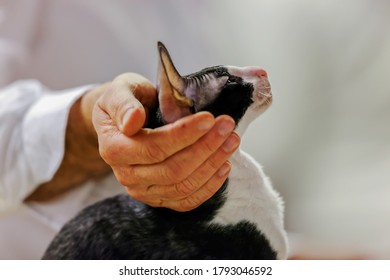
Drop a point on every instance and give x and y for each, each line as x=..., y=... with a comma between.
x=325, y=141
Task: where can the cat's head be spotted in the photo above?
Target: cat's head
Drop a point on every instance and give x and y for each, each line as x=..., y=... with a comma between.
x=240, y=92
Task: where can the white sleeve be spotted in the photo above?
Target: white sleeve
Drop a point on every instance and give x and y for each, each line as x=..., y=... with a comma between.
x=32, y=134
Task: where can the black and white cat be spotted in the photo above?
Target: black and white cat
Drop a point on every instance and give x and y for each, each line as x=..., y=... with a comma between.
x=243, y=220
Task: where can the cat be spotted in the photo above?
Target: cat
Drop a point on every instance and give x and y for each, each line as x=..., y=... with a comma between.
x=243, y=220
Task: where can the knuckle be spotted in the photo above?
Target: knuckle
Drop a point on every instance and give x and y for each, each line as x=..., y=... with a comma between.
x=167, y=176
x=122, y=180
x=211, y=188
x=125, y=176
x=189, y=204
x=193, y=201
x=209, y=146
x=180, y=175
x=109, y=152
x=155, y=153
x=173, y=173
x=213, y=164
x=139, y=193
x=185, y=188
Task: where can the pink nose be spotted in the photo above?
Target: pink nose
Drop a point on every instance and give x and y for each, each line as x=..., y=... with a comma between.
x=261, y=73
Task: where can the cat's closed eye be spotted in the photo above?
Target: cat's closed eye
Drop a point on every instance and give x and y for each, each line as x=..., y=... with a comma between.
x=242, y=220
x=232, y=82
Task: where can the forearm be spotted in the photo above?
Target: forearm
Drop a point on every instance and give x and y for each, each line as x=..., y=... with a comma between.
x=81, y=160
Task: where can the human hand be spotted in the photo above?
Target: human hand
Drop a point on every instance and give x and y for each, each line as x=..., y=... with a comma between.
x=179, y=165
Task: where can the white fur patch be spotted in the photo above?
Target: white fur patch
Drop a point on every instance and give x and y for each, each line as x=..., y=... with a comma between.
x=250, y=197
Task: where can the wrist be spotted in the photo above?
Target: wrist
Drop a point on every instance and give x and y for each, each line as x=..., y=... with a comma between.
x=81, y=138
x=81, y=160
x=87, y=103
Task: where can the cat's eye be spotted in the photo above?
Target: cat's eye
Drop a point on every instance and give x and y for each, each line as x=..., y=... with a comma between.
x=230, y=81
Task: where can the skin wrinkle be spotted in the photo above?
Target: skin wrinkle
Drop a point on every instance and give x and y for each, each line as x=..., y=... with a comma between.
x=239, y=220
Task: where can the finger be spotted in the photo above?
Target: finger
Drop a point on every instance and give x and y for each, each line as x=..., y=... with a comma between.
x=144, y=92
x=200, y=196
x=121, y=105
x=141, y=88
x=151, y=146
x=181, y=165
x=200, y=176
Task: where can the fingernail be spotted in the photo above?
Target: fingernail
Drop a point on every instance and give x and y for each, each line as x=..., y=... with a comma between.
x=224, y=169
x=127, y=115
x=231, y=144
x=206, y=124
x=226, y=127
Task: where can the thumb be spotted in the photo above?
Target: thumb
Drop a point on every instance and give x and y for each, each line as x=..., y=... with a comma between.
x=124, y=100
x=136, y=95
x=120, y=108
x=133, y=117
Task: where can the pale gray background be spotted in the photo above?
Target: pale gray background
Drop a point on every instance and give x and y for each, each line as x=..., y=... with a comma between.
x=325, y=142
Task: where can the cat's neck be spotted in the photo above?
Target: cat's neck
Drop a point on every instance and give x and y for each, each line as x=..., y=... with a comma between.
x=241, y=165
x=247, y=119
x=246, y=169
x=248, y=193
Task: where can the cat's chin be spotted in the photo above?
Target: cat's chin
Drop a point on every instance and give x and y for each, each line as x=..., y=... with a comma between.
x=262, y=98
x=261, y=102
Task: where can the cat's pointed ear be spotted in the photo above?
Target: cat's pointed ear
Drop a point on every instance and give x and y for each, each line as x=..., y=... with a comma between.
x=173, y=103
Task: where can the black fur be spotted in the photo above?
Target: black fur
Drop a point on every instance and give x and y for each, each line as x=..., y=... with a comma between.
x=234, y=99
x=123, y=228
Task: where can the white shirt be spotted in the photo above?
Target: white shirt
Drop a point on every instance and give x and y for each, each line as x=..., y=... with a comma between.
x=59, y=45
x=328, y=66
